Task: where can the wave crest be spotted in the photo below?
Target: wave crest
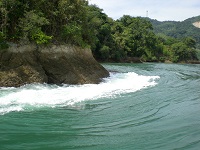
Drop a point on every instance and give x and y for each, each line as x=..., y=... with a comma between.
x=31, y=96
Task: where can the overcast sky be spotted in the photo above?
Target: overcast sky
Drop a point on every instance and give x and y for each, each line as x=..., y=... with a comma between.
x=162, y=10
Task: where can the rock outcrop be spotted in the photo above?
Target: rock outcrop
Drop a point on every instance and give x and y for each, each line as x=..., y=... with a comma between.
x=197, y=24
x=50, y=64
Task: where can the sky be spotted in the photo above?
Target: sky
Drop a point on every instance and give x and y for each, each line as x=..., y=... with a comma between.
x=162, y=10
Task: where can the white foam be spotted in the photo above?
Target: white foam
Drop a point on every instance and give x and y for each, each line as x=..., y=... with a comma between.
x=52, y=96
x=10, y=109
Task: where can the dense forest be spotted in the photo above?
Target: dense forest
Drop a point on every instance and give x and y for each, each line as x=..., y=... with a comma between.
x=77, y=23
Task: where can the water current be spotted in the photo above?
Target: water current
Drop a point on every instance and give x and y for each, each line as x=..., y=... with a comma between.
x=148, y=106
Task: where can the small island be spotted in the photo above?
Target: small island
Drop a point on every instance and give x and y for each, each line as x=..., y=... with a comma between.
x=47, y=42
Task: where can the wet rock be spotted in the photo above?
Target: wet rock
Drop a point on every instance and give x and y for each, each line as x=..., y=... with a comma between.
x=53, y=64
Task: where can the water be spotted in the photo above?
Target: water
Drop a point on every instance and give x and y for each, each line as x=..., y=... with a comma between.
x=140, y=106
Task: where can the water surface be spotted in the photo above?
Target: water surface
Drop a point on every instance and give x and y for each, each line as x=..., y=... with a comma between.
x=140, y=106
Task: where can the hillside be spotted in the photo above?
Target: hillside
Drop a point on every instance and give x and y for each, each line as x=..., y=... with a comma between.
x=186, y=28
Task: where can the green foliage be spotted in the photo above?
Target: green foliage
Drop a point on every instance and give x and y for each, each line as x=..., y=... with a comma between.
x=178, y=30
x=198, y=54
x=41, y=21
x=135, y=36
x=3, y=43
x=77, y=23
x=31, y=27
x=72, y=34
x=190, y=42
x=104, y=46
x=177, y=50
x=105, y=52
x=40, y=37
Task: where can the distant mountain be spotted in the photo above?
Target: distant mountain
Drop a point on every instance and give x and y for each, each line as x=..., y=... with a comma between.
x=189, y=27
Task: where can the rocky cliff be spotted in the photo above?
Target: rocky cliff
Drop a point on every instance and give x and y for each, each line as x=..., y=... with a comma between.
x=197, y=24
x=50, y=64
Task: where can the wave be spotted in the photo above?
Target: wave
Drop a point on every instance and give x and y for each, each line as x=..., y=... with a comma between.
x=43, y=95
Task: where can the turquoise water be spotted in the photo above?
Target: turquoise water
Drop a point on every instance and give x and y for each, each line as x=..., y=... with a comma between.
x=139, y=107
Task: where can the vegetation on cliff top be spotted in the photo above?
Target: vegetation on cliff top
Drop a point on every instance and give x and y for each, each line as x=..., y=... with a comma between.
x=78, y=23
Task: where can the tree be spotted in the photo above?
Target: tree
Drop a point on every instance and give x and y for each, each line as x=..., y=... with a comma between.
x=31, y=27
x=190, y=42
x=136, y=37
x=43, y=20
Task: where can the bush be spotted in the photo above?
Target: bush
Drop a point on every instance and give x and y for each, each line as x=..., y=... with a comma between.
x=40, y=37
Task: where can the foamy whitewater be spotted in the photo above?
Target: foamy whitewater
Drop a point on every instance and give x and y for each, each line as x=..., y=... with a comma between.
x=30, y=97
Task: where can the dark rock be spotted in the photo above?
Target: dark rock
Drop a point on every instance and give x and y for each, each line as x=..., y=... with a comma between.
x=53, y=64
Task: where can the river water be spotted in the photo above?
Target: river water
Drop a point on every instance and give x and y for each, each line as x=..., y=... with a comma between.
x=140, y=106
